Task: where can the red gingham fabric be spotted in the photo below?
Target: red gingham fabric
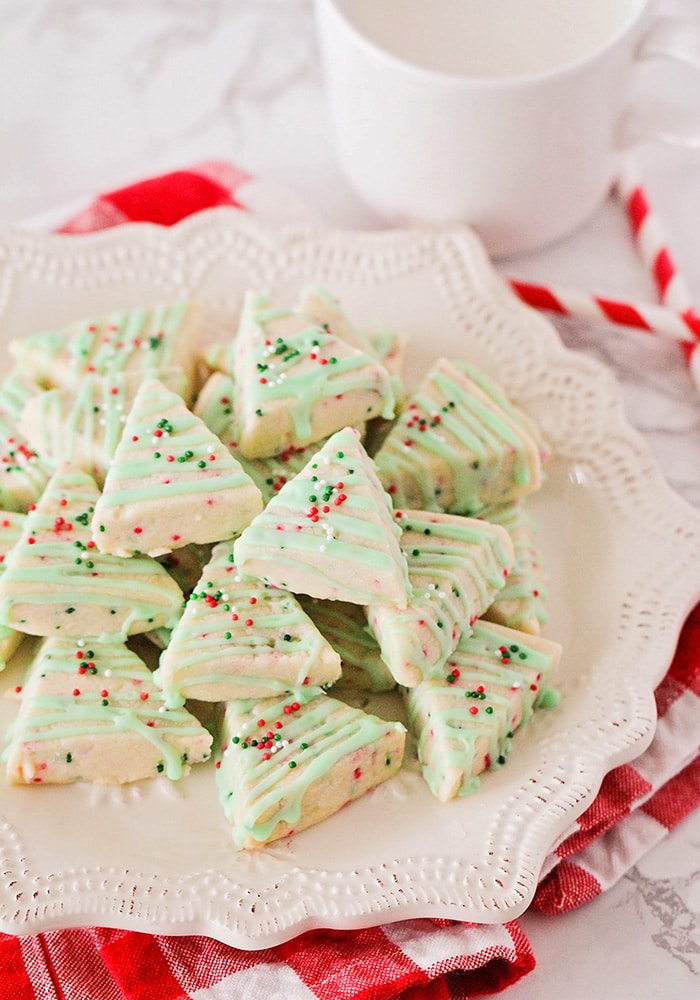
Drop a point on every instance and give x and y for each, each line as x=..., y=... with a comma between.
x=411, y=960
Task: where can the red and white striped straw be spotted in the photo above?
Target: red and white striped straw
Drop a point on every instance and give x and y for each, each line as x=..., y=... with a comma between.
x=675, y=318
x=654, y=250
x=652, y=318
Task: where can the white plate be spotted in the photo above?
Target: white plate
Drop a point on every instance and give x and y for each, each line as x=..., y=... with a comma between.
x=624, y=558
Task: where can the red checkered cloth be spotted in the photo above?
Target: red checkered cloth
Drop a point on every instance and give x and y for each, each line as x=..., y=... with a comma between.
x=412, y=960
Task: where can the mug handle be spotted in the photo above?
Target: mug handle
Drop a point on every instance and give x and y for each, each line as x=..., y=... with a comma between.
x=679, y=40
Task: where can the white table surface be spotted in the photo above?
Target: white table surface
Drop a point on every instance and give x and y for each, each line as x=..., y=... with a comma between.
x=94, y=95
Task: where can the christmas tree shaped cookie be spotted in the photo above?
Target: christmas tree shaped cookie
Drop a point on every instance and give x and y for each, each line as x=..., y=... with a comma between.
x=345, y=627
x=288, y=763
x=16, y=389
x=11, y=526
x=387, y=346
x=90, y=712
x=463, y=721
x=240, y=638
x=23, y=473
x=57, y=581
x=521, y=602
x=82, y=426
x=459, y=446
x=456, y=566
x=171, y=481
x=329, y=532
x=148, y=340
x=297, y=383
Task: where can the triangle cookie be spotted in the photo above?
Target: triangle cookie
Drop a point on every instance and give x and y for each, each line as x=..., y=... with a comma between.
x=456, y=566
x=521, y=604
x=459, y=446
x=148, y=340
x=463, y=721
x=23, y=473
x=239, y=638
x=288, y=763
x=297, y=383
x=90, y=711
x=345, y=627
x=171, y=482
x=83, y=426
x=56, y=580
x=329, y=532
x=11, y=527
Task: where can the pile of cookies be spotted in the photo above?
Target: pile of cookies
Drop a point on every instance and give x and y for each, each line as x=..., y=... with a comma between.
x=280, y=521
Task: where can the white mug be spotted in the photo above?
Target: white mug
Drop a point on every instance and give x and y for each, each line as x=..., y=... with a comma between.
x=507, y=115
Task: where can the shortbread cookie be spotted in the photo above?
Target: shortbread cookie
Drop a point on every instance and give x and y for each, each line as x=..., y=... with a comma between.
x=386, y=346
x=24, y=474
x=239, y=638
x=185, y=565
x=215, y=404
x=319, y=305
x=457, y=448
x=16, y=389
x=171, y=481
x=56, y=580
x=148, y=340
x=456, y=567
x=82, y=426
x=296, y=383
x=464, y=720
x=289, y=763
x=521, y=604
x=90, y=712
x=329, y=532
x=345, y=627
x=11, y=527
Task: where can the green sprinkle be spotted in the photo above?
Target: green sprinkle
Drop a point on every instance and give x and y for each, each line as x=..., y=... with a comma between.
x=292, y=763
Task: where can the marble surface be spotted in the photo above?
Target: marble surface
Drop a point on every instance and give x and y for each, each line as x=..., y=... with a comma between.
x=94, y=95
